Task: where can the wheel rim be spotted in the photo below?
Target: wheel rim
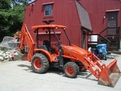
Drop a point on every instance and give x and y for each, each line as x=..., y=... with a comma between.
x=69, y=70
x=37, y=63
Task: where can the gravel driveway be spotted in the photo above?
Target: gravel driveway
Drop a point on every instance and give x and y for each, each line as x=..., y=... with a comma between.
x=18, y=76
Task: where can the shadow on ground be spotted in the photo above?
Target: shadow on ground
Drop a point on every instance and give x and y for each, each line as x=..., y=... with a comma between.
x=84, y=75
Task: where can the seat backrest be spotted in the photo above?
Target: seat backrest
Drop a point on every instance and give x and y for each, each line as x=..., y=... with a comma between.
x=43, y=47
x=46, y=43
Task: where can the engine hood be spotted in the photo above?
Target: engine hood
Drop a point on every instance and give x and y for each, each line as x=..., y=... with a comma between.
x=73, y=50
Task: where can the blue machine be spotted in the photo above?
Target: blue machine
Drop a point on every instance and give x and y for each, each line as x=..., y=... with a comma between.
x=102, y=51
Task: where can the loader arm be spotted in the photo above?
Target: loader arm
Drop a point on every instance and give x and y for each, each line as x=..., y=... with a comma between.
x=106, y=74
x=26, y=38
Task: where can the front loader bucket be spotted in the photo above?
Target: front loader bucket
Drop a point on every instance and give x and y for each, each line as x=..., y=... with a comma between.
x=110, y=74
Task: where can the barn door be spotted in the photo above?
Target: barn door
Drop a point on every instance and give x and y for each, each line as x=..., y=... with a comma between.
x=112, y=22
x=113, y=34
x=84, y=40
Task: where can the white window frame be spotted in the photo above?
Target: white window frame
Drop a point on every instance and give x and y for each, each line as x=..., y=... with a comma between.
x=48, y=10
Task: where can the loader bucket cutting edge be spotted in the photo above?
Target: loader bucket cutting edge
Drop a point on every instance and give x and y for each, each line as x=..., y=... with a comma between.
x=110, y=74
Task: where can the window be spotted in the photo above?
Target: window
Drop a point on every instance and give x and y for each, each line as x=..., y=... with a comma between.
x=48, y=10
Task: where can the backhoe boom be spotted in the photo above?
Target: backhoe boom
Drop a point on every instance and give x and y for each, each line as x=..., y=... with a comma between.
x=26, y=38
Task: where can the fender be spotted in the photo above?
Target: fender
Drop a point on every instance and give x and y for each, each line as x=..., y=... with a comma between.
x=44, y=52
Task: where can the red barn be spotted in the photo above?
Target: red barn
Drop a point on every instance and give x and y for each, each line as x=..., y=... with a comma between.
x=82, y=17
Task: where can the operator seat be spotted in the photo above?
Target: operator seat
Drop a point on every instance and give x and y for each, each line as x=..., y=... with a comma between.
x=47, y=44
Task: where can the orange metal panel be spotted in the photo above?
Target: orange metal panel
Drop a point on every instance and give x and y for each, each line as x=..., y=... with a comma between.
x=48, y=26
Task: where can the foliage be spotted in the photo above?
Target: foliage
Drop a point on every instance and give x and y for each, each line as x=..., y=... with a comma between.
x=4, y=4
x=11, y=14
x=21, y=1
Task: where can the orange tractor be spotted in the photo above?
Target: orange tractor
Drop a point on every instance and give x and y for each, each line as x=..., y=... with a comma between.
x=70, y=58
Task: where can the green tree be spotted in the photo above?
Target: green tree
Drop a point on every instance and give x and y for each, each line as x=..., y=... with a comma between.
x=11, y=15
x=4, y=6
x=22, y=1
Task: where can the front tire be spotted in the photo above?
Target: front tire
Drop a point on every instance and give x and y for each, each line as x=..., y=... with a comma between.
x=39, y=63
x=71, y=69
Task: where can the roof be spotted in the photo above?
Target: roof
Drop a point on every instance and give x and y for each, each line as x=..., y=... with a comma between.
x=48, y=26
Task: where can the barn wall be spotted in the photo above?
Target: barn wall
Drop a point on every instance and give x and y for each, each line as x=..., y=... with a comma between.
x=64, y=13
x=97, y=11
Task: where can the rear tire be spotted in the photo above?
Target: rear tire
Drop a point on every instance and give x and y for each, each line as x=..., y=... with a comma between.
x=39, y=63
x=71, y=69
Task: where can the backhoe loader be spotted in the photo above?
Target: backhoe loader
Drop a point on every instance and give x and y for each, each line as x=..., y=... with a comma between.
x=70, y=58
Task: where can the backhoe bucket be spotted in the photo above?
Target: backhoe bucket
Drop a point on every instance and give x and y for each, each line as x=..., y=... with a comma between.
x=110, y=74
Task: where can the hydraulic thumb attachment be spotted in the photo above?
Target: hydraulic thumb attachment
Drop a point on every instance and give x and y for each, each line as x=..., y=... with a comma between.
x=109, y=74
